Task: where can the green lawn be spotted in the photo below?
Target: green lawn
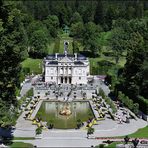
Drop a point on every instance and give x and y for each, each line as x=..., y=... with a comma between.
x=112, y=145
x=51, y=47
x=141, y=133
x=65, y=37
x=23, y=138
x=35, y=65
x=21, y=145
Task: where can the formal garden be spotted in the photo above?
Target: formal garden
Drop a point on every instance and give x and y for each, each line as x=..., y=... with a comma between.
x=113, y=35
x=74, y=114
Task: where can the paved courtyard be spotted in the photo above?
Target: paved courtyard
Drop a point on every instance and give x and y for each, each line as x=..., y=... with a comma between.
x=73, y=137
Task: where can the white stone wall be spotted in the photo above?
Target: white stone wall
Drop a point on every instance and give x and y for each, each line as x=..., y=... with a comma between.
x=78, y=73
x=51, y=74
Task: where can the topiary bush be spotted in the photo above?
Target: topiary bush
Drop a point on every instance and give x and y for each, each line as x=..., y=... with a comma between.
x=38, y=131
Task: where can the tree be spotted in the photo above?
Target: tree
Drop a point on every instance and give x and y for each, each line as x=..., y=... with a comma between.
x=75, y=46
x=111, y=14
x=90, y=36
x=38, y=43
x=13, y=46
x=90, y=131
x=76, y=18
x=118, y=42
x=99, y=13
x=39, y=37
x=139, y=9
x=130, y=13
x=77, y=30
x=133, y=80
x=52, y=24
x=126, y=139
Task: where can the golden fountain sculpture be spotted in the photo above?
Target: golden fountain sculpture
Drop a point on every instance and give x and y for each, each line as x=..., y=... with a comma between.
x=65, y=110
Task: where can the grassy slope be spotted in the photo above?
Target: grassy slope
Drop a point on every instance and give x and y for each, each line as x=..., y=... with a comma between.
x=33, y=64
x=65, y=37
x=141, y=133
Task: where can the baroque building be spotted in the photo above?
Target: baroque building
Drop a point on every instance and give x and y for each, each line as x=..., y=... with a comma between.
x=66, y=68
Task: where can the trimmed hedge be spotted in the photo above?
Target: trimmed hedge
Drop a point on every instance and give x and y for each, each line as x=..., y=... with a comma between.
x=107, y=100
x=56, y=45
x=143, y=104
x=134, y=107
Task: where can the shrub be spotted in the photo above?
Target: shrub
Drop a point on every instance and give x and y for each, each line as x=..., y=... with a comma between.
x=109, y=54
x=101, y=93
x=38, y=131
x=143, y=104
x=110, y=102
x=29, y=93
x=101, y=145
x=136, y=108
x=129, y=104
x=57, y=45
x=26, y=70
x=111, y=115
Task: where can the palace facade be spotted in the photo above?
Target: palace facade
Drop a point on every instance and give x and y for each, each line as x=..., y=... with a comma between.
x=66, y=68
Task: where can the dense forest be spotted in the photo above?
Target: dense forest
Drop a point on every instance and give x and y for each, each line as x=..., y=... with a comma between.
x=28, y=27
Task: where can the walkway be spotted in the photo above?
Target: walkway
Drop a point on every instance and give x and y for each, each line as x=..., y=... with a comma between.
x=76, y=138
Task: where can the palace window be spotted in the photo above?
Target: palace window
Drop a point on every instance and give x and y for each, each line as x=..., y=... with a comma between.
x=51, y=78
x=79, y=78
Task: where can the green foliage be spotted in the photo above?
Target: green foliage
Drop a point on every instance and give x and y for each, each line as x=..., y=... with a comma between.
x=129, y=102
x=38, y=42
x=143, y=104
x=56, y=45
x=90, y=35
x=118, y=42
x=52, y=24
x=101, y=93
x=133, y=80
x=8, y=115
x=26, y=70
x=90, y=131
x=75, y=46
x=29, y=93
x=99, y=16
x=32, y=66
x=141, y=133
x=21, y=145
x=77, y=30
x=107, y=100
x=12, y=51
x=136, y=108
x=76, y=18
x=111, y=103
x=38, y=131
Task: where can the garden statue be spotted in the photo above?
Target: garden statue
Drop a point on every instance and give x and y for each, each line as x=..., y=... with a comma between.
x=65, y=110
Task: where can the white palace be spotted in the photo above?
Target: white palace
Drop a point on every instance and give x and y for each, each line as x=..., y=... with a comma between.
x=66, y=68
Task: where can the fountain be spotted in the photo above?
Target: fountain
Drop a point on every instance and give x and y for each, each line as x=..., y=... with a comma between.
x=64, y=115
x=65, y=110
